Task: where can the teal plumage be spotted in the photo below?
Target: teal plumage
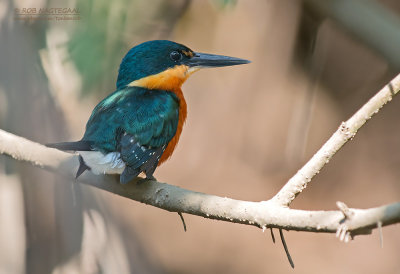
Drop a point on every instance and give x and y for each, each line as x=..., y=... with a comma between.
x=151, y=116
x=136, y=122
x=146, y=59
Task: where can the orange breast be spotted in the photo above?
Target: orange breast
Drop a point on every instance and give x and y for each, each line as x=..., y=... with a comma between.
x=182, y=117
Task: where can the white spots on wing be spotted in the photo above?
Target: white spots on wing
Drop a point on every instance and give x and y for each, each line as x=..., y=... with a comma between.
x=143, y=148
x=161, y=115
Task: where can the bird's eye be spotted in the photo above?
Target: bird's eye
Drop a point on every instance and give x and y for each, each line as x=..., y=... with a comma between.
x=175, y=55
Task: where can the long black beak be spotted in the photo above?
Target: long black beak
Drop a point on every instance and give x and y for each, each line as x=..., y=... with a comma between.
x=213, y=60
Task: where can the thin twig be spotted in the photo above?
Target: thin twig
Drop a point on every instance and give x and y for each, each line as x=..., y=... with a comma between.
x=183, y=221
x=380, y=233
x=286, y=248
x=272, y=235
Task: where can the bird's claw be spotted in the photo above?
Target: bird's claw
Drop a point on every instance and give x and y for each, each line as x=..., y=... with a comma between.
x=143, y=180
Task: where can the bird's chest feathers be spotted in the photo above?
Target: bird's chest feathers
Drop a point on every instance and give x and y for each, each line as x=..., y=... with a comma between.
x=170, y=79
x=182, y=118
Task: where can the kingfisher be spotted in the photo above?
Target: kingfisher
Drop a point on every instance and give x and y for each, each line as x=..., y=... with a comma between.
x=137, y=127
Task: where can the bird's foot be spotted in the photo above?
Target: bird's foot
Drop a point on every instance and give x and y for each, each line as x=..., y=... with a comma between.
x=143, y=180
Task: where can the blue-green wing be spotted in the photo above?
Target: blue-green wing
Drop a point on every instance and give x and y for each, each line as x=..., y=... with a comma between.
x=149, y=116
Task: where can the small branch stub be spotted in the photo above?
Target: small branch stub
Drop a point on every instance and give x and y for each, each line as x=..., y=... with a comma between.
x=345, y=210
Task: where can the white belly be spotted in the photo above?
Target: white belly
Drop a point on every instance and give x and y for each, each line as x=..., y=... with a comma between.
x=100, y=163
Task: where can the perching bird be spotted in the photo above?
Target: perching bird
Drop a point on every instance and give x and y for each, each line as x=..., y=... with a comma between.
x=137, y=127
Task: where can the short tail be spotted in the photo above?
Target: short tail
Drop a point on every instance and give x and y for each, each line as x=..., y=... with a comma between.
x=73, y=146
x=82, y=167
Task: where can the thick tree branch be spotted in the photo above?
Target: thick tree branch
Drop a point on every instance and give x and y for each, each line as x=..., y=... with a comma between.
x=274, y=213
x=261, y=214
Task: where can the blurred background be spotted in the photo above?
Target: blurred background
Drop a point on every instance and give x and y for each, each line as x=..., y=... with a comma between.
x=249, y=129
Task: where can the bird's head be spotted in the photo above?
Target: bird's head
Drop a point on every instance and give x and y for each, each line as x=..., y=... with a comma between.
x=162, y=64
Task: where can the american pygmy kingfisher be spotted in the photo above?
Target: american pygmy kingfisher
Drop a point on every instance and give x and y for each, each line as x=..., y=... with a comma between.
x=137, y=127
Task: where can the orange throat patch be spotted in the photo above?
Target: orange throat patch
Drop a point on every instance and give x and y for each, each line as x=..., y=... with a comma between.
x=170, y=79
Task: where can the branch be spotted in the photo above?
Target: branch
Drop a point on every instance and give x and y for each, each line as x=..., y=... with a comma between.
x=261, y=214
x=345, y=132
x=347, y=222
